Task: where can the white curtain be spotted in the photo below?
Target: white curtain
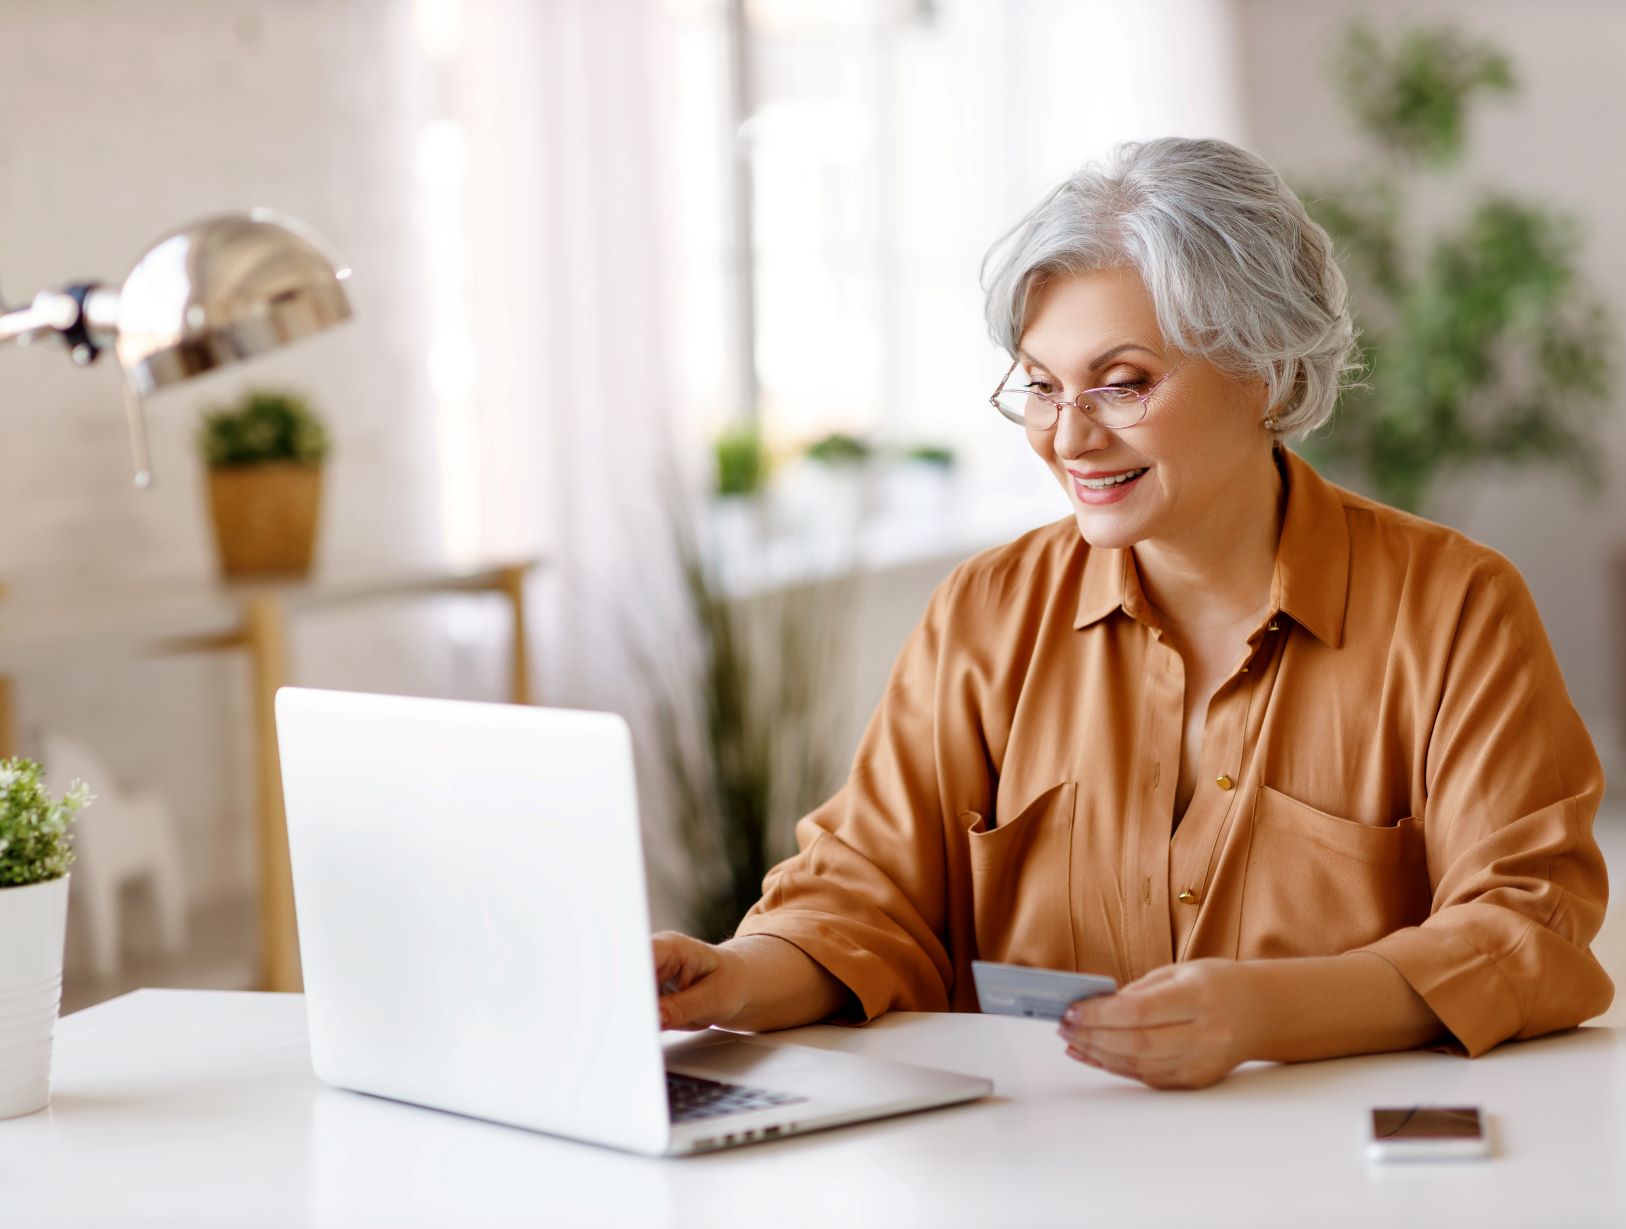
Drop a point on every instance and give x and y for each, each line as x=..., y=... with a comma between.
x=570, y=408
x=559, y=426
x=552, y=426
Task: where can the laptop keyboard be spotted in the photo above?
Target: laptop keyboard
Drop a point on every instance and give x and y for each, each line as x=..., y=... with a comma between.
x=692, y=1098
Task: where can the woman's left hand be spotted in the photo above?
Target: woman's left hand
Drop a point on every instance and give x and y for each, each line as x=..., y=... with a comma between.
x=1180, y=1026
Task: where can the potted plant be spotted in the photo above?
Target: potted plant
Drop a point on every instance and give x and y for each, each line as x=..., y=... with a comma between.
x=34, y=859
x=736, y=516
x=830, y=495
x=1481, y=339
x=937, y=456
x=839, y=448
x=742, y=462
x=919, y=484
x=264, y=455
x=743, y=699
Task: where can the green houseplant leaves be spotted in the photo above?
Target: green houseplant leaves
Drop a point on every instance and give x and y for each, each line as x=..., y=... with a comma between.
x=34, y=847
x=264, y=425
x=1482, y=342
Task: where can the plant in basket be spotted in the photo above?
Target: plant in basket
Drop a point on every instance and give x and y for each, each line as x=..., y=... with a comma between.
x=264, y=453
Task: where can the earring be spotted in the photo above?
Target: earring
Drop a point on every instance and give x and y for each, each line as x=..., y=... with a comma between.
x=1272, y=423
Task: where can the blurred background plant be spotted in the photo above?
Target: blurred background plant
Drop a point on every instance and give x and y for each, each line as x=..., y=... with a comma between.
x=743, y=741
x=742, y=462
x=839, y=448
x=1482, y=343
x=34, y=842
x=264, y=425
x=931, y=454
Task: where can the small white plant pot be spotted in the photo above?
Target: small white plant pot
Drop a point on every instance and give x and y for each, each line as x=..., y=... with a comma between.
x=735, y=536
x=33, y=930
x=920, y=490
x=824, y=506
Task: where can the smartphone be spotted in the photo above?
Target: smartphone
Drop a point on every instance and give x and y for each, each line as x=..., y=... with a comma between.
x=1427, y=1133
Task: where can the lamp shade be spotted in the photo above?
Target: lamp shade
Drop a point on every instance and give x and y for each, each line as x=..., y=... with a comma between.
x=222, y=289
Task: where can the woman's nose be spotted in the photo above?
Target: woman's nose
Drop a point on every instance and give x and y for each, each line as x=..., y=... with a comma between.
x=1077, y=433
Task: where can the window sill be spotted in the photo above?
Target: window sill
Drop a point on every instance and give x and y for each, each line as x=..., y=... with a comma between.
x=823, y=526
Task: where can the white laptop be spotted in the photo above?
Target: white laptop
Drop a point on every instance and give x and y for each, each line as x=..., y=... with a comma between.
x=474, y=931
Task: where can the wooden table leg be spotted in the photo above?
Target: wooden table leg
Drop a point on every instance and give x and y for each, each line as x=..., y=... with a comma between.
x=8, y=730
x=279, y=937
x=512, y=583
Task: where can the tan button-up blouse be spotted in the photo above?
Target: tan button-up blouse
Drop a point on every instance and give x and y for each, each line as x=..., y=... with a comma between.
x=1393, y=765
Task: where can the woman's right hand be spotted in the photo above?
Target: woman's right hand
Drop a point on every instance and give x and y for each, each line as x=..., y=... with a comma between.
x=700, y=984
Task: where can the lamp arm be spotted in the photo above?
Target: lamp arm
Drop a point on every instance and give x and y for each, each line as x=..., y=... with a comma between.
x=52, y=311
x=85, y=317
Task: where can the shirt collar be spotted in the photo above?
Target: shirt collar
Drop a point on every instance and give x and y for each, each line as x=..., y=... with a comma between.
x=1310, y=583
x=1108, y=575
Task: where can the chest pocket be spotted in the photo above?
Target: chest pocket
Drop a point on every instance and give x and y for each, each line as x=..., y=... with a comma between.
x=1021, y=882
x=1319, y=885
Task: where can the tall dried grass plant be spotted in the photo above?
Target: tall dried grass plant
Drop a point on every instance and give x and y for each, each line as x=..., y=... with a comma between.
x=743, y=709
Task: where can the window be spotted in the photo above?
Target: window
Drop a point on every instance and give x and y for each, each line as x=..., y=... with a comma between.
x=886, y=145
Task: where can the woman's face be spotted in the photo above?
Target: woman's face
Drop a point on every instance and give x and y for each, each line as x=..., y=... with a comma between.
x=1200, y=441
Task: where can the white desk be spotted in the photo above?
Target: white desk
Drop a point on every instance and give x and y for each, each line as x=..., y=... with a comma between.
x=177, y=1107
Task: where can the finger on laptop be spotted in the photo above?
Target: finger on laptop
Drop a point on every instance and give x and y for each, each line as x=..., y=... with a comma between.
x=680, y=960
x=682, y=965
x=687, y=1009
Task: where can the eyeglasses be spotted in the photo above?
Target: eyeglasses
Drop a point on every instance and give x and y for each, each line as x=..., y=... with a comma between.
x=1116, y=406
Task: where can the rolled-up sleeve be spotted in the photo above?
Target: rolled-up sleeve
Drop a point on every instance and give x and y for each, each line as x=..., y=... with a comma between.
x=1513, y=783
x=866, y=894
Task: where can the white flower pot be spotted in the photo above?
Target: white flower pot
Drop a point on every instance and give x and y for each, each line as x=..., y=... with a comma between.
x=33, y=930
x=920, y=490
x=736, y=537
x=824, y=506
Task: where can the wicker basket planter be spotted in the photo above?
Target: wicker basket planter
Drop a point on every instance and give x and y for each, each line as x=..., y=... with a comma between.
x=265, y=517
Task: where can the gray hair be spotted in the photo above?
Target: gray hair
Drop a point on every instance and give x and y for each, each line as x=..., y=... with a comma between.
x=1237, y=270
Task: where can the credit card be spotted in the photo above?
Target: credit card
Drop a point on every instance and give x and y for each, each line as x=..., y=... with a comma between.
x=1038, y=994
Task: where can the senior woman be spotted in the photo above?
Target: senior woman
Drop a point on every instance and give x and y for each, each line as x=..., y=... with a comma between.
x=1297, y=769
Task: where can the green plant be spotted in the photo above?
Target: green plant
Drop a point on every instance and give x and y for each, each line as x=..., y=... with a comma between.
x=1481, y=343
x=34, y=846
x=261, y=426
x=838, y=448
x=931, y=454
x=741, y=723
x=1414, y=96
x=742, y=462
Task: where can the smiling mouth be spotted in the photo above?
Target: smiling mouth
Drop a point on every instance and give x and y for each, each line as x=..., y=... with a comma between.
x=1106, y=484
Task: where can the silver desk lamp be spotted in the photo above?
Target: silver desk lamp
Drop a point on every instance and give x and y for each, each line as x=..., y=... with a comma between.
x=222, y=289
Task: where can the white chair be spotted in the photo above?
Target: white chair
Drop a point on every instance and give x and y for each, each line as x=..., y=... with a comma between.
x=122, y=837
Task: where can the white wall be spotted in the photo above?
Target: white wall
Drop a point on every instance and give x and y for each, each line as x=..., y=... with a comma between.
x=1556, y=141
x=124, y=121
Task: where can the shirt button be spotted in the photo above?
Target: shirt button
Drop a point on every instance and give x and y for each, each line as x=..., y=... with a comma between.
x=1224, y=782
x=1187, y=897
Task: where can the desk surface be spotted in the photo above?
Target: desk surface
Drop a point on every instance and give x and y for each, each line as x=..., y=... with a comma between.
x=179, y=1107
x=55, y=622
